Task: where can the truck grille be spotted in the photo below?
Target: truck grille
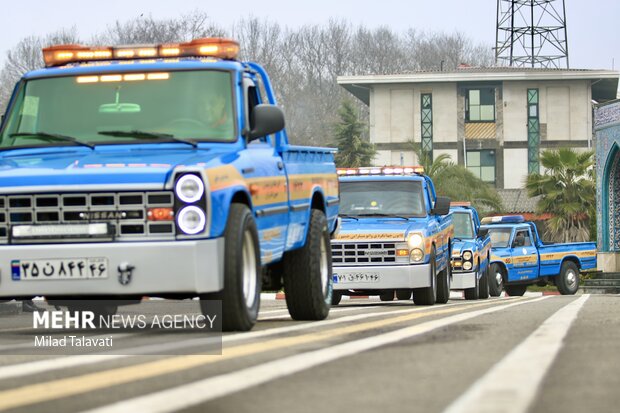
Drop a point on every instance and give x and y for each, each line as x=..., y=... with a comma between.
x=378, y=253
x=125, y=211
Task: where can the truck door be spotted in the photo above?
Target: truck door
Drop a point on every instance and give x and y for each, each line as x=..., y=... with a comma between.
x=524, y=256
x=268, y=186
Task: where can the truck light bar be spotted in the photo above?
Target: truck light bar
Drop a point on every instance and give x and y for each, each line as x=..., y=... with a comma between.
x=205, y=47
x=460, y=204
x=385, y=170
x=506, y=219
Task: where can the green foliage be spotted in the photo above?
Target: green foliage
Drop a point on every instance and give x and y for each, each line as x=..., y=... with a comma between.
x=353, y=150
x=456, y=182
x=567, y=189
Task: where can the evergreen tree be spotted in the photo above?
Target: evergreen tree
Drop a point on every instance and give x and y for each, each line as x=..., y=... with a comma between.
x=353, y=150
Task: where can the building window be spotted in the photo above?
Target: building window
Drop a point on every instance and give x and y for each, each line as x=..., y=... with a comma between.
x=426, y=108
x=482, y=164
x=533, y=132
x=480, y=105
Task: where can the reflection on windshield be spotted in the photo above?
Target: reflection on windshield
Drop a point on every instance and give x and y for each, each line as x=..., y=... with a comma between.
x=500, y=237
x=185, y=105
x=463, y=225
x=398, y=198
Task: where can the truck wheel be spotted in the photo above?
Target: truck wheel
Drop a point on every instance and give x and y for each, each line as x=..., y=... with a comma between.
x=473, y=293
x=496, y=280
x=308, y=273
x=515, y=290
x=568, y=280
x=387, y=295
x=99, y=309
x=242, y=272
x=336, y=297
x=428, y=295
x=403, y=294
x=483, y=290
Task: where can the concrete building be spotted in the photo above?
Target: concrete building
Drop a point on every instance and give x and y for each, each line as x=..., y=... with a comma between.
x=607, y=126
x=493, y=120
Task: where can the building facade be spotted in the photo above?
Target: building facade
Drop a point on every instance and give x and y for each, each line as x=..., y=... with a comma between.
x=607, y=127
x=493, y=120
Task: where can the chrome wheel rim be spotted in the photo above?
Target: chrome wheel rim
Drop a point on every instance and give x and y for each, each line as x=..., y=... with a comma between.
x=498, y=278
x=248, y=255
x=324, y=268
x=571, y=279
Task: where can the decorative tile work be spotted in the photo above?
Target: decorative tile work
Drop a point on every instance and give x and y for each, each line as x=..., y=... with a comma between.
x=606, y=115
x=608, y=216
x=613, y=210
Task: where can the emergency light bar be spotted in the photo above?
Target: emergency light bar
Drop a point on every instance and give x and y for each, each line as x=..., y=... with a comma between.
x=385, y=170
x=506, y=219
x=209, y=46
x=460, y=204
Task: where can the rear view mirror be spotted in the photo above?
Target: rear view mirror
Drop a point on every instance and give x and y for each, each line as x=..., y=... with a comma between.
x=120, y=108
x=442, y=206
x=266, y=119
x=483, y=232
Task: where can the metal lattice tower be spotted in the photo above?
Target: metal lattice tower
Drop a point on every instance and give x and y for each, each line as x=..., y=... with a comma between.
x=531, y=33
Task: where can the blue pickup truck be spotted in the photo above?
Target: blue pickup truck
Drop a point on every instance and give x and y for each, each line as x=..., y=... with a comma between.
x=161, y=170
x=395, y=236
x=520, y=258
x=471, y=253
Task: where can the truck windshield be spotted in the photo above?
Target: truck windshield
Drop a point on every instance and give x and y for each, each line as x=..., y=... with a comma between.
x=382, y=198
x=500, y=237
x=463, y=225
x=122, y=108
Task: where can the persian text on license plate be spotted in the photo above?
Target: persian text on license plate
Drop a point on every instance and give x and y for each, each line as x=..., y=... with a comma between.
x=357, y=277
x=59, y=269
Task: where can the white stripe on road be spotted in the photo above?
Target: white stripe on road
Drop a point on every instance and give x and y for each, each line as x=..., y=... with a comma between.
x=511, y=385
x=192, y=394
x=36, y=367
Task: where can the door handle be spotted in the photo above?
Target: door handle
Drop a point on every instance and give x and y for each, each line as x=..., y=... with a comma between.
x=280, y=165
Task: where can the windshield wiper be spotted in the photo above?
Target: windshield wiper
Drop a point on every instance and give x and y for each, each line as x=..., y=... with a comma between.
x=146, y=135
x=383, y=215
x=350, y=216
x=52, y=137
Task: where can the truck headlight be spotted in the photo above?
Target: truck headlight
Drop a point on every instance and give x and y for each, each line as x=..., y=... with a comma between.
x=415, y=241
x=189, y=188
x=467, y=265
x=417, y=255
x=467, y=255
x=191, y=220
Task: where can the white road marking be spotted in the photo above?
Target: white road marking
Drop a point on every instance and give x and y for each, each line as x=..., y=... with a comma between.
x=201, y=391
x=511, y=385
x=335, y=310
x=36, y=367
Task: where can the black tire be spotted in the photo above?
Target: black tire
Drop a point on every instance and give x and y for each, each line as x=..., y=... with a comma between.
x=308, y=273
x=336, y=297
x=496, y=280
x=568, y=280
x=444, y=279
x=242, y=272
x=473, y=293
x=483, y=290
x=428, y=295
x=515, y=290
x=387, y=295
x=403, y=294
x=100, y=309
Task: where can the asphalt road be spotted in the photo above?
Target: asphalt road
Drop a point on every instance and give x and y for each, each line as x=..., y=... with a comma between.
x=539, y=354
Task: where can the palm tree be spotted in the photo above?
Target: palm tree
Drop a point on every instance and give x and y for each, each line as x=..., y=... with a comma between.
x=567, y=191
x=458, y=183
x=353, y=150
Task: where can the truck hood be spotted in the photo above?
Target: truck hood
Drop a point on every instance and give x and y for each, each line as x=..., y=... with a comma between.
x=115, y=167
x=458, y=246
x=388, y=229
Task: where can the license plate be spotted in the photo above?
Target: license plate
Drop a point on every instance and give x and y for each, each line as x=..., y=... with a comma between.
x=357, y=277
x=59, y=269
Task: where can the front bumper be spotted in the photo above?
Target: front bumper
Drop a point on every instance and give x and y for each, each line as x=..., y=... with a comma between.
x=463, y=280
x=382, y=277
x=169, y=267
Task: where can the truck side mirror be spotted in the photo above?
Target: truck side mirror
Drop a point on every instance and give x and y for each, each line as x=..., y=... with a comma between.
x=442, y=206
x=265, y=120
x=483, y=232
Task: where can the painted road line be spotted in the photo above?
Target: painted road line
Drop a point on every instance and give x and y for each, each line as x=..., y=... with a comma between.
x=337, y=310
x=37, y=367
x=72, y=386
x=192, y=394
x=511, y=385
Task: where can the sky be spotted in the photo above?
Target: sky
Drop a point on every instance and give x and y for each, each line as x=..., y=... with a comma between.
x=593, y=36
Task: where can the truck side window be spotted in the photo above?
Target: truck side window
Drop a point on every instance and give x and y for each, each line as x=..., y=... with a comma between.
x=522, y=239
x=253, y=100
